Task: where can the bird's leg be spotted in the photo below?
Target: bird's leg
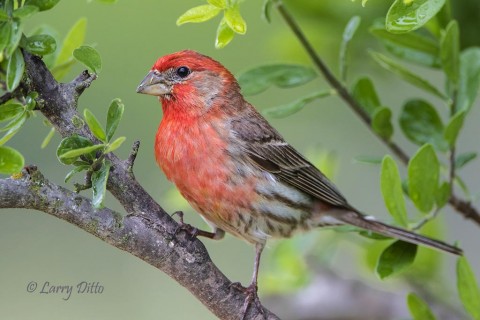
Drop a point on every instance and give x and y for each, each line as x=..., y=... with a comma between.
x=217, y=233
x=251, y=290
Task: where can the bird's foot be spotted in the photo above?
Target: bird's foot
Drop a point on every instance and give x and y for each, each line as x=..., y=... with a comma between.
x=252, y=297
x=189, y=229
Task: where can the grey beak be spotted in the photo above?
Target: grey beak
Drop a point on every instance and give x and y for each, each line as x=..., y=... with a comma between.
x=154, y=84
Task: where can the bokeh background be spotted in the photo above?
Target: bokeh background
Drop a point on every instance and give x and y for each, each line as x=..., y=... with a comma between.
x=130, y=36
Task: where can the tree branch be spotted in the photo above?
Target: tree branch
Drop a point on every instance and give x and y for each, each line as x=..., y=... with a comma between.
x=147, y=232
x=463, y=207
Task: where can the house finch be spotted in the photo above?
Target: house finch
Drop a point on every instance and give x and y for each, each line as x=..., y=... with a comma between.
x=235, y=169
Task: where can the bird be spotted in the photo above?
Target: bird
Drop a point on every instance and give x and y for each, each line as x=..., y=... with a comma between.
x=235, y=169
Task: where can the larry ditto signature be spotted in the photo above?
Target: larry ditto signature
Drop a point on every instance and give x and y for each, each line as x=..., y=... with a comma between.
x=64, y=290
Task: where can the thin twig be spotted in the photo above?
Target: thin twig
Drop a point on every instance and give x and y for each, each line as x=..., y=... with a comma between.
x=465, y=208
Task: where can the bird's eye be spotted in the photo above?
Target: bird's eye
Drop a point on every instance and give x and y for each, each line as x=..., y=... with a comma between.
x=182, y=72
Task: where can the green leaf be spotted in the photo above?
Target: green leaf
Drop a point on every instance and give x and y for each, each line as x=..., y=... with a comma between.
x=225, y=34
x=115, y=144
x=259, y=79
x=391, y=186
x=68, y=144
x=468, y=288
x=40, y=44
x=453, y=127
x=395, y=258
x=411, y=46
x=348, y=33
x=94, y=125
x=266, y=9
x=75, y=170
x=10, y=110
x=25, y=12
x=406, y=74
x=418, y=308
x=421, y=124
x=15, y=37
x=48, y=138
x=11, y=161
x=99, y=184
x=74, y=154
x=381, y=122
x=15, y=69
x=365, y=94
x=294, y=107
x=450, y=52
x=218, y=3
x=199, y=14
x=114, y=115
x=42, y=4
x=469, y=78
x=74, y=39
x=13, y=127
x=3, y=15
x=442, y=195
x=405, y=16
x=368, y=159
x=5, y=33
x=464, y=158
x=235, y=20
x=89, y=57
x=423, y=178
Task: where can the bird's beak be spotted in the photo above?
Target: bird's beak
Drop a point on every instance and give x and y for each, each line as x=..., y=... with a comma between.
x=154, y=84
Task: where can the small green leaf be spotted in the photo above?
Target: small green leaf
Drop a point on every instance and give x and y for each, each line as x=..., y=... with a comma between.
x=381, y=122
x=421, y=124
x=42, y=4
x=391, y=185
x=13, y=127
x=5, y=33
x=365, y=94
x=442, y=195
x=99, y=184
x=48, y=138
x=225, y=34
x=410, y=46
x=464, y=158
x=468, y=288
x=405, y=16
x=68, y=144
x=406, y=74
x=114, y=115
x=218, y=3
x=25, y=12
x=418, y=308
x=10, y=110
x=74, y=39
x=75, y=170
x=15, y=37
x=199, y=14
x=11, y=161
x=294, y=107
x=454, y=126
x=348, y=33
x=259, y=79
x=368, y=159
x=115, y=144
x=423, y=178
x=89, y=57
x=74, y=154
x=40, y=44
x=94, y=125
x=235, y=20
x=395, y=258
x=450, y=52
x=469, y=78
x=266, y=9
x=15, y=69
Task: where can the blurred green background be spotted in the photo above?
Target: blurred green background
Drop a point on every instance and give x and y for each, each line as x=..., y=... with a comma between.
x=130, y=37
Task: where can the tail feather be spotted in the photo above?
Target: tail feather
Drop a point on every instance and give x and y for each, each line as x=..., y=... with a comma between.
x=361, y=221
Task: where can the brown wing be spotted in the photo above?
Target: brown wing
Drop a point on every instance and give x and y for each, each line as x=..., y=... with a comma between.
x=267, y=149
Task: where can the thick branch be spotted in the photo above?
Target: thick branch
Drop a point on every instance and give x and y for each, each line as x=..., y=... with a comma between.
x=148, y=231
x=461, y=206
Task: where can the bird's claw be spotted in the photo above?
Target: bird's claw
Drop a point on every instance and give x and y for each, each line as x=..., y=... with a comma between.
x=252, y=296
x=189, y=229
